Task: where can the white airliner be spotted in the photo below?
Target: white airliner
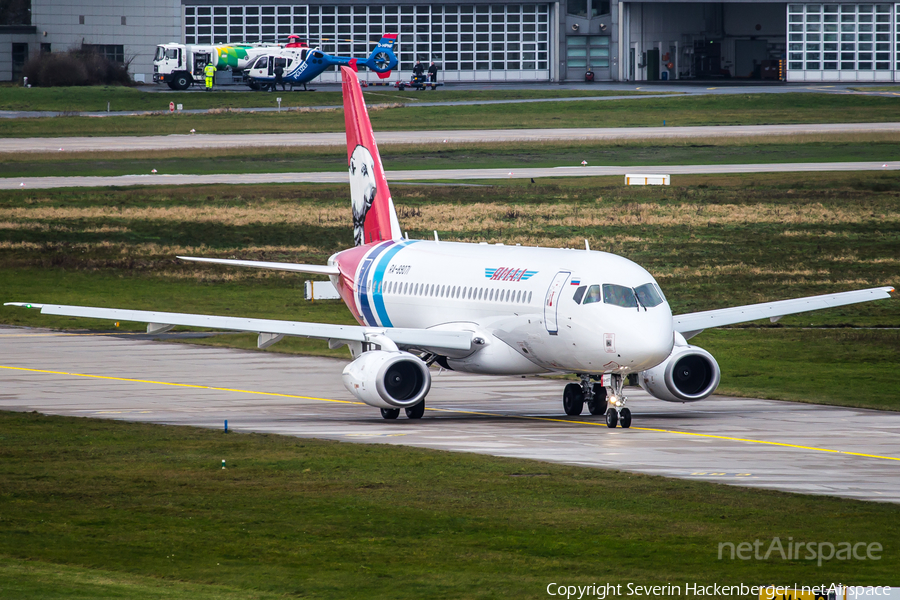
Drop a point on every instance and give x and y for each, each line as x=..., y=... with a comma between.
x=487, y=309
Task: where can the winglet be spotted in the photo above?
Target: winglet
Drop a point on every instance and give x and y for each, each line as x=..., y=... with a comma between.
x=374, y=217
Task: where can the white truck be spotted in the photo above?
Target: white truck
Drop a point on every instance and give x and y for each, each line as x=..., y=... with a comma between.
x=180, y=65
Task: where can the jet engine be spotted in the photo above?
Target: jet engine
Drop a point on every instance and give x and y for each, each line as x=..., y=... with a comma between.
x=387, y=379
x=689, y=374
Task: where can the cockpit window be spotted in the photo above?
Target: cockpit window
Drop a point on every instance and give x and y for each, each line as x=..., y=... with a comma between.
x=262, y=62
x=618, y=295
x=648, y=296
x=659, y=289
x=593, y=295
x=579, y=294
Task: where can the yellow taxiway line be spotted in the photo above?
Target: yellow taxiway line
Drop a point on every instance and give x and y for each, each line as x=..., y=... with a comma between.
x=184, y=385
x=457, y=411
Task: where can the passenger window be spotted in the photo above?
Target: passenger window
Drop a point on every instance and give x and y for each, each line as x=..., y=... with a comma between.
x=648, y=296
x=593, y=295
x=579, y=294
x=619, y=295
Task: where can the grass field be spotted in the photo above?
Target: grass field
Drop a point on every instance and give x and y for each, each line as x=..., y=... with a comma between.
x=878, y=88
x=711, y=241
x=99, y=509
x=157, y=98
x=767, y=149
x=749, y=109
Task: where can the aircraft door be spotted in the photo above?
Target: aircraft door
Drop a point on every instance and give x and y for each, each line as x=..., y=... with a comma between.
x=551, y=301
x=258, y=68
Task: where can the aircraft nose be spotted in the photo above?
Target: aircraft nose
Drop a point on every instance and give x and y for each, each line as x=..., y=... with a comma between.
x=647, y=341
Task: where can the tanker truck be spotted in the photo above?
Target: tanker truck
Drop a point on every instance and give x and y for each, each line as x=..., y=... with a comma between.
x=180, y=65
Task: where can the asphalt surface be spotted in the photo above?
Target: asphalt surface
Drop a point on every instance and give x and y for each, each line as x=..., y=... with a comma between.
x=427, y=175
x=199, y=140
x=754, y=443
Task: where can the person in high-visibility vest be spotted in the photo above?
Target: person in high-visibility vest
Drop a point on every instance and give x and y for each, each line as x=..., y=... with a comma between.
x=210, y=71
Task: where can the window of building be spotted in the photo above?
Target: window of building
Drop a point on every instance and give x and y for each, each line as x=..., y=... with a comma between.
x=583, y=51
x=854, y=37
x=443, y=34
x=112, y=52
x=583, y=8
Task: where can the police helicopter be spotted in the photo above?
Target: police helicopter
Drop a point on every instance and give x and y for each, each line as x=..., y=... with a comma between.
x=299, y=64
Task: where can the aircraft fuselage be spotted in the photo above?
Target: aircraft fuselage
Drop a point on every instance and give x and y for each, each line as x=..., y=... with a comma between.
x=532, y=309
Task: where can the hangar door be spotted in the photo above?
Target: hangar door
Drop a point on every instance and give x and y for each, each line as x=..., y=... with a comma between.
x=705, y=40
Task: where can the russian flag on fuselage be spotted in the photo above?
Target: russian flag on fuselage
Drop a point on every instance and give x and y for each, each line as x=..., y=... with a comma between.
x=374, y=218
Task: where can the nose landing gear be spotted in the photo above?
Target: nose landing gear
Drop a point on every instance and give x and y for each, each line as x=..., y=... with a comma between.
x=603, y=398
x=616, y=410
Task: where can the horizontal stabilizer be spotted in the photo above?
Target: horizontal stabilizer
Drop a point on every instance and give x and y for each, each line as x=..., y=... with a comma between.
x=691, y=324
x=257, y=264
x=403, y=337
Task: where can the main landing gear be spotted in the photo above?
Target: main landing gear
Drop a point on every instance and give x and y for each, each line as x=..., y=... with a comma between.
x=413, y=412
x=600, y=399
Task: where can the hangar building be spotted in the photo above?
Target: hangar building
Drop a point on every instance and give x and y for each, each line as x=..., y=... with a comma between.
x=483, y=40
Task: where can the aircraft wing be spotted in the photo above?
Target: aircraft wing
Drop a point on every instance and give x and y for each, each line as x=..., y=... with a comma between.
x=256, y=264
x=691, y=324
x=269, y=330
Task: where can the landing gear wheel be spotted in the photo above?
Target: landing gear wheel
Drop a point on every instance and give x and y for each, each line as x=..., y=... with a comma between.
x=612, y=418
x=573, y=400
x=390, y=413
x=416, y=411
x=597, y=406
x=625, y=418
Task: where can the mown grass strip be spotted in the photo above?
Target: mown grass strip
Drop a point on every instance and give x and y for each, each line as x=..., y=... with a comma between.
x=150, y=506
x=157, y=97
x=749, y=109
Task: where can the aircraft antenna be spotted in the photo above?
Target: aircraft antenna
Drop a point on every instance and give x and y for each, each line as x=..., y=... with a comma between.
x=436, y=236
x=586, y=245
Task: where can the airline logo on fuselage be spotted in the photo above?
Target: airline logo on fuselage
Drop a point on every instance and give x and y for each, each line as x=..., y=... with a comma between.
x=509, y=274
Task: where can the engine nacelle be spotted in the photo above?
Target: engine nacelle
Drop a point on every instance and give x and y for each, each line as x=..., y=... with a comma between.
x=689, y=374
x=387, y=379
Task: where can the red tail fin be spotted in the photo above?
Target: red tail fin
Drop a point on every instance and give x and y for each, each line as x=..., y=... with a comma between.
x=374, y=218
